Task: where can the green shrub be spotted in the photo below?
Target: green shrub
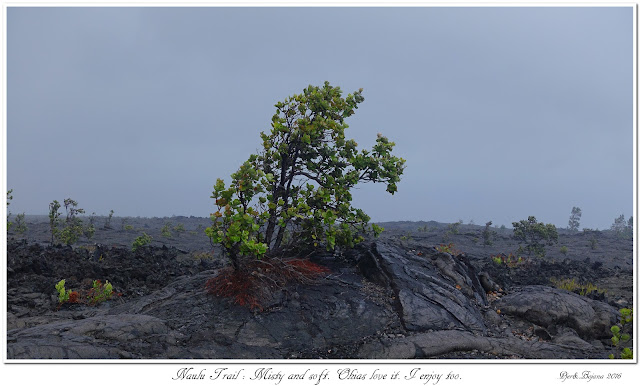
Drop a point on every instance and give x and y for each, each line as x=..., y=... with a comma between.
x=9, y=198
x=54, y=219
x=534, y=235
x=179, y=229
x=165, y=231
x=107, y=222
x=141, y=241
x=299, y=184
x=509, y=260
x=572, y=285
x=564, y=250
x=21, y=225
x=63, y=295
x=488, y=234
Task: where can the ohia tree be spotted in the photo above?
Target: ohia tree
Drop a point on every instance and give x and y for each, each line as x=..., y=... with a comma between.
x=296, y=191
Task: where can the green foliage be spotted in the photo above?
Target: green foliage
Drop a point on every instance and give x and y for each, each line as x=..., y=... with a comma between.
x=179, y=229
x=89, y=231
x=423, y=229
x=73, y=228
x=9, y=198
x=107, y=223
x=21, y=225
x=626, y=316
x=593, y=243
x=141, y=241
x=448, y=248
x=620, y=335
x=100, y=292
x=165, y=231
x=572, y=285
x=509, y=260
x=295, y=193
x=488, y=234
x=454, y=228
x=63, y=295
x=54, y=219
x=128, y=227
x=574, y=219
x=622, y=228
x=564, y=250
x=534, y=235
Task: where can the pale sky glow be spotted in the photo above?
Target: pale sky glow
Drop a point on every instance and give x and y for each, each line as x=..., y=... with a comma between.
x=501, y=113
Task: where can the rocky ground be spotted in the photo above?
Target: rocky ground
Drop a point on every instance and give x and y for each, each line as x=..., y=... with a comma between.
x=399, y=296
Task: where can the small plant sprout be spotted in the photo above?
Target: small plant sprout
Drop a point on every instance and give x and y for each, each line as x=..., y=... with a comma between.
x=63, y=295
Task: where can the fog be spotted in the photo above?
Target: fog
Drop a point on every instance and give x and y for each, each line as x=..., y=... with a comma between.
x=501, y=113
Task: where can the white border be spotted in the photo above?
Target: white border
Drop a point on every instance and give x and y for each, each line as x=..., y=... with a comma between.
x=61, y=372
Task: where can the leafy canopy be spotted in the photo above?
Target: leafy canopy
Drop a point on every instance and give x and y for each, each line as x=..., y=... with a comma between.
x=297, y=190
x=535, y=235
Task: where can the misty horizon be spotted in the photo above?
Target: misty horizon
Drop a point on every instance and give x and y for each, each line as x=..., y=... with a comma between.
x=501, y=113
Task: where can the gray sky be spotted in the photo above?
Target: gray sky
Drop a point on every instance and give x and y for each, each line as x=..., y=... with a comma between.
x=501, y=113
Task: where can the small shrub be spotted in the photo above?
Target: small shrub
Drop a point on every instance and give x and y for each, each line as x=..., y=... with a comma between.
x=100, y=292
x=454, y=228
x=9, y=198
x=54, y=219
x=448, y=248
x=407, y=236
x=128, y=227
x=141, y=241
x=179, y=229
x=564, y=250
x=107, y=223
x=593, y=243
x=509, y=260
x=488, y=234
x=165, y=231
x=423, y=229
x=63, y=295
x=572, y=285
x=21, y=225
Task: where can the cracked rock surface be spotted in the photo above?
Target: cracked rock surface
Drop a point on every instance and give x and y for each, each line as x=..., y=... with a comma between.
x=390, y=298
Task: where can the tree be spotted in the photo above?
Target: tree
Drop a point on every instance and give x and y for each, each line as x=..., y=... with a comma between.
x=574, y=219
x=295, y=193
x=9, y=198
x=534, y=235
x=54, y=216
x=621, y=227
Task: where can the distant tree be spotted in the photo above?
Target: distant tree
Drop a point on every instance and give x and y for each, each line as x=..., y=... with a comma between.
x=9, y=198
x=574, y=219
x=487, y=234
x=621, y=227
x=534, y=235
x=54, y=219
x=21, y=225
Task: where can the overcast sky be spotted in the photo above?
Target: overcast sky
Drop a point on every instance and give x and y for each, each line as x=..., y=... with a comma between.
x=501, y=113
